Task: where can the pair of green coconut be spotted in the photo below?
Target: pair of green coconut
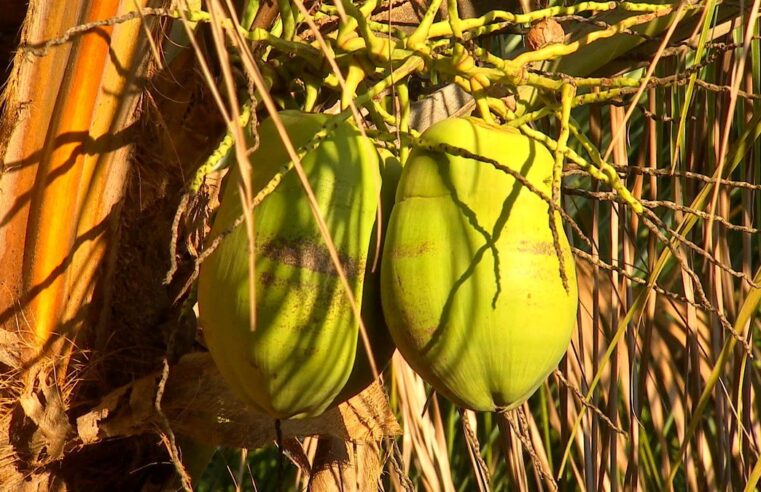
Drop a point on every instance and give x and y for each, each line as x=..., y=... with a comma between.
x=469, y=279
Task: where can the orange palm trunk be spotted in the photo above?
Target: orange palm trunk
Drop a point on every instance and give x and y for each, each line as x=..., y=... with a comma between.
x=51, y=235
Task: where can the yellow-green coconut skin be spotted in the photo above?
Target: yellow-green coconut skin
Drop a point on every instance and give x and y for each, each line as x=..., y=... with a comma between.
x=302, y=351
x=471, y=283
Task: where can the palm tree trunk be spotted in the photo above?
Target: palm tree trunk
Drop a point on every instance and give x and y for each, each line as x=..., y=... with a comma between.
x=68, y=108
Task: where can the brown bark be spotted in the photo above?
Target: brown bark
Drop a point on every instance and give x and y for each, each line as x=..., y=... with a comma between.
x=64, y=142
x=198, y=404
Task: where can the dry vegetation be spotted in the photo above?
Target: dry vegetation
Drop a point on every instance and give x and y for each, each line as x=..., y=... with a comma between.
x=113, y=115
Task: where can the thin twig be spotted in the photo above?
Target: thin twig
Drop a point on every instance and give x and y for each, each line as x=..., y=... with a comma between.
x=482, y=471
x=525, y=440
x=610, y=196
x=582, y=399
x=167, y=435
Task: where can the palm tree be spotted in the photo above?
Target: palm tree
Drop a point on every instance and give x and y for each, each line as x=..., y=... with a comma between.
x=109, y=110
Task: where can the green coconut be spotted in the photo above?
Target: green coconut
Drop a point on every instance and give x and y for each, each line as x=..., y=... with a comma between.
x=382, y=347
x=471, y=280
x=298, y=360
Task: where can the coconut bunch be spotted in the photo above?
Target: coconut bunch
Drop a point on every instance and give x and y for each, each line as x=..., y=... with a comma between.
x=477, y=285
x=467, y=255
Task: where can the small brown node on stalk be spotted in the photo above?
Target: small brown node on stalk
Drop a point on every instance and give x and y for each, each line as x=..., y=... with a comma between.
x=544, y=33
